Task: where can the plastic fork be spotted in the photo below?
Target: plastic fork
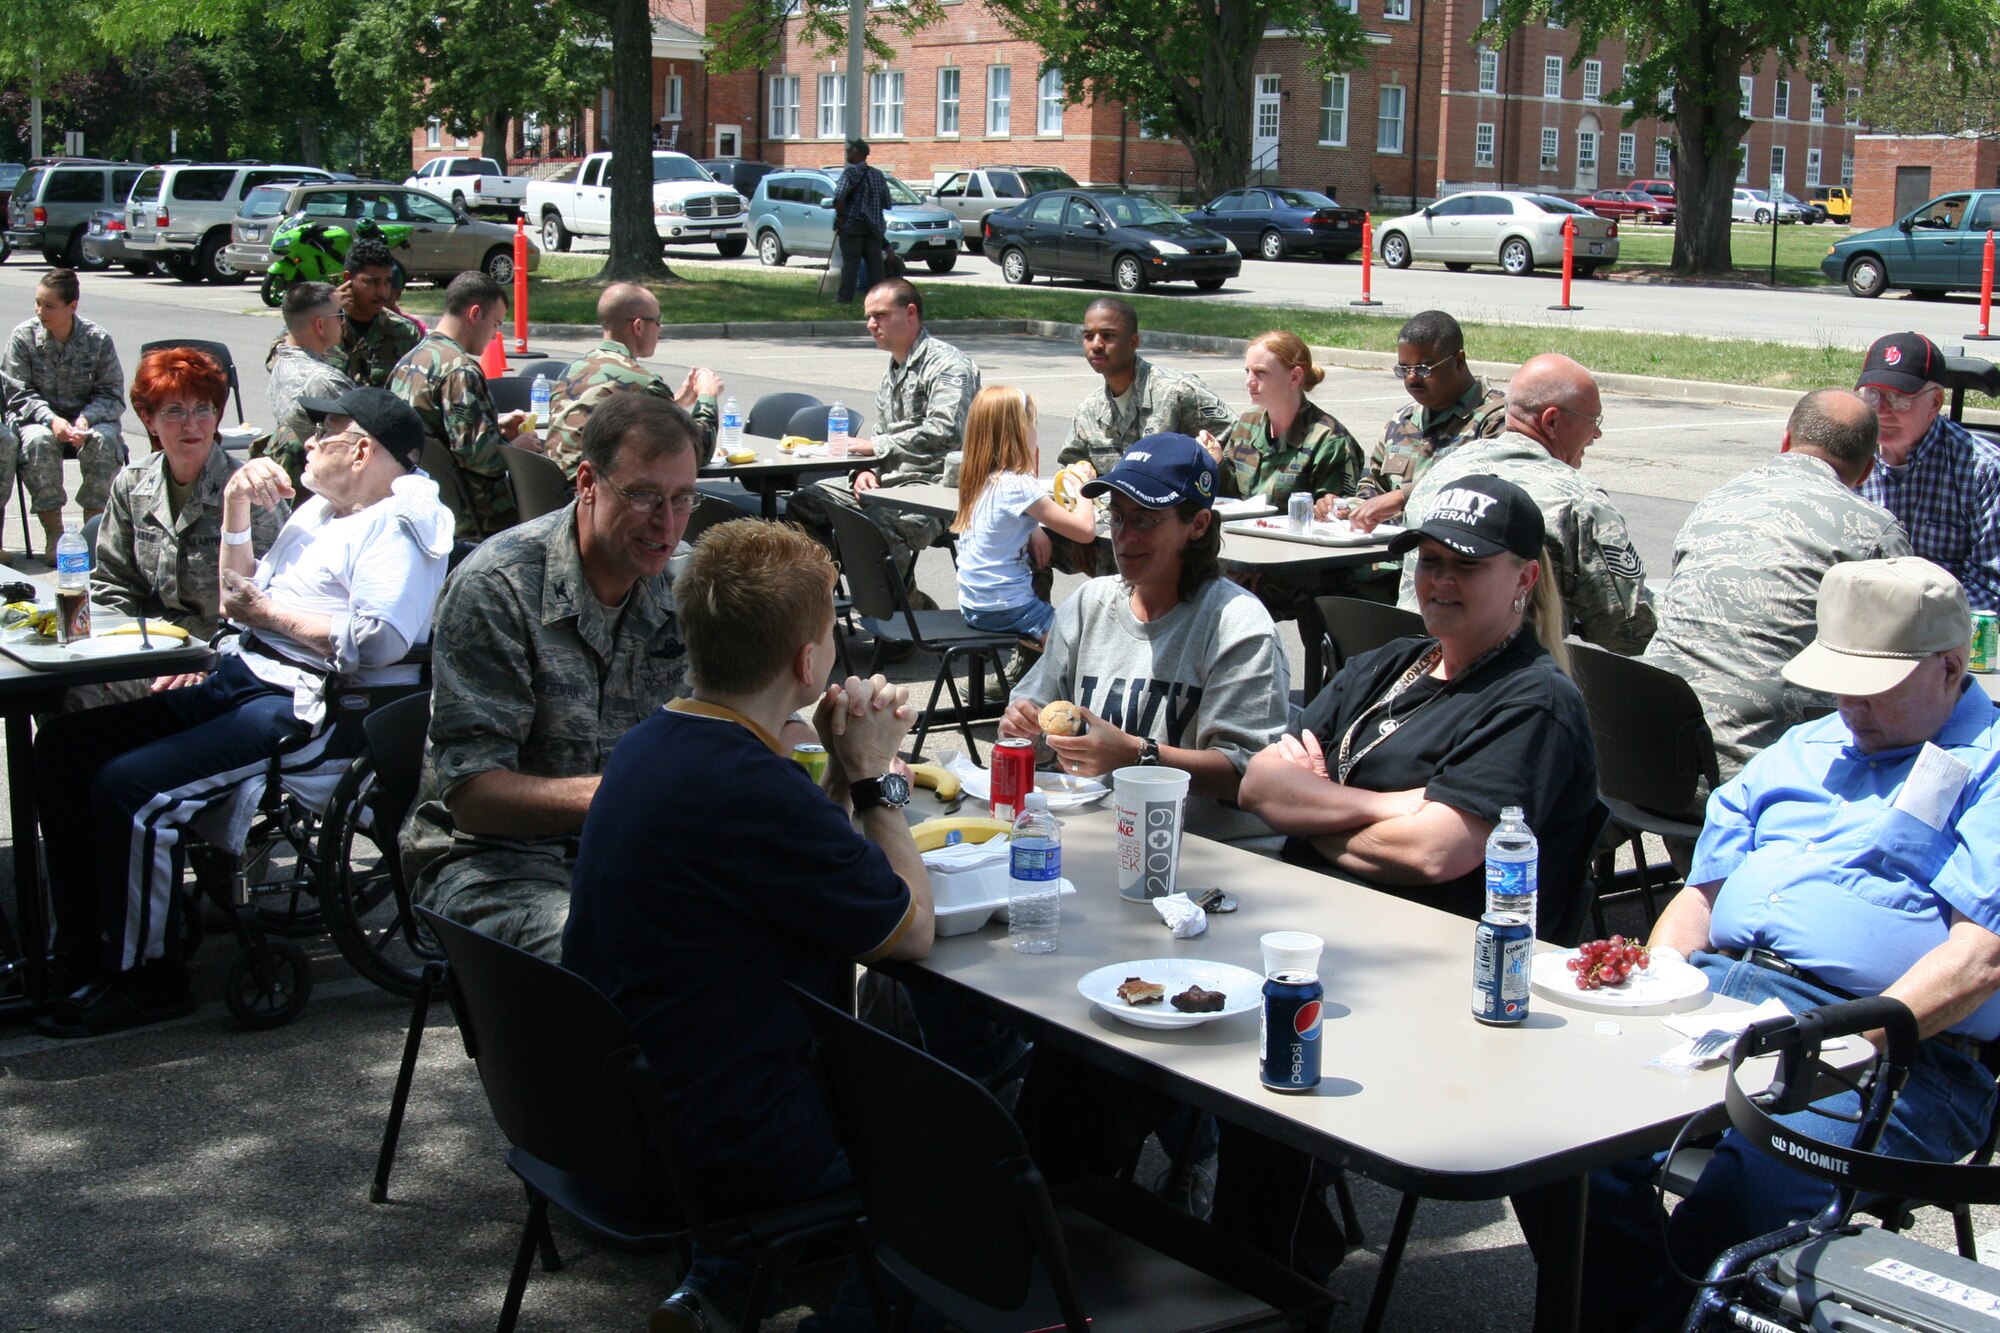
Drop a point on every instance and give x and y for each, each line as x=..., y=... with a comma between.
x=1712, y=1045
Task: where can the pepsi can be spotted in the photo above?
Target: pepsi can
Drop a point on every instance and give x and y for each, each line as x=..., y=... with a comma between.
x=1288, y=1043
x=1503, y=944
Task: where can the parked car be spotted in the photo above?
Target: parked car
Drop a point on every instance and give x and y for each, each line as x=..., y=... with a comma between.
x=49, y=211
x=1756, y=206
x=1809, y=214
x=1936, y=248
x=1659, y=189
x=689, y=207
x=104, y=244
x=740, y=174
x=1511, y=228
x=1836, y=201
x=1630, y=206
x=1277, y=222
x=1129, y=240
x=970, y=195
x=179, y=215
x=791, y=213
x=250, y=231
x=470, y=182
x=9, y=173
x=444, y=243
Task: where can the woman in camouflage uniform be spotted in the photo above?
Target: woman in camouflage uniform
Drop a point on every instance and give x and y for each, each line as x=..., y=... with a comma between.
x=1285, y=442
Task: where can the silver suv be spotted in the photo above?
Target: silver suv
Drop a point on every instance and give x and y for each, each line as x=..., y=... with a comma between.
x=970, y=195
x=179, y=215
x=52, y=202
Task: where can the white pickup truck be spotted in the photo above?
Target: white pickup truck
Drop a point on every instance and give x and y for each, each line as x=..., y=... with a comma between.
x=471, y=183
x=689, y=206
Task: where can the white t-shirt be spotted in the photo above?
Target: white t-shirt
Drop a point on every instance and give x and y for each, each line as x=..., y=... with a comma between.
x=993, y=572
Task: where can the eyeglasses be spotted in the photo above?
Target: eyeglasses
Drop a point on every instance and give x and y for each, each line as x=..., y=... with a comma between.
x=1888, y=400
x=1596, y=422
x=176, y=415
x=647, y=319
x=1422, y=370
x=645, y=502
x=1144, y=522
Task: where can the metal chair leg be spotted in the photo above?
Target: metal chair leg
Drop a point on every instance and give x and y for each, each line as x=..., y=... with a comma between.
x=1350, y=1220
x=399, y=1101
x=1392, y=1259
x=524, y=1254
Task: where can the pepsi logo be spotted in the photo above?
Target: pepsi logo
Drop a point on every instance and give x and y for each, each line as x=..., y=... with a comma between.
x=1306, y=1021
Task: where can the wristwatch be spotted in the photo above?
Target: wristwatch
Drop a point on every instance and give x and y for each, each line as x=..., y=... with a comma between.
x=891, y=790
x=1149, y=753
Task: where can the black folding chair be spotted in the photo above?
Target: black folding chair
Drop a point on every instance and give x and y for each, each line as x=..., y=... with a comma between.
x=771, y=414
x=220, y=351
x=510, y=393
x=811, y=422
x=443, y=469
x=549, y=366
x=538, y=483
x=883, y=606
x=1349, y=627
x=957, y=1212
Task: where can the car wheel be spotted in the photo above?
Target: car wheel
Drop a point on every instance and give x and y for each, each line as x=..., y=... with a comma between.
x=212, y=267
x=55, y=259
x=499, y=265
x=182, y=267
x=458, y=201
x=943, y=263
x=6, y=249
x=1396, y=250
x=78, y=260
x=1209, y=284
x=1516, y=257
x=555, y=236
x=1762, y=217
x=1457, y=265
x=1271, y=245
x=730, y=247
x=1014, y=267
x=139, y=268
x=1866, y=277
x=770, y=250
x=1128, y=275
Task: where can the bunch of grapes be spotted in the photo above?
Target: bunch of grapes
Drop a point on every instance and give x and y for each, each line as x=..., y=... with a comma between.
x=1600, y=963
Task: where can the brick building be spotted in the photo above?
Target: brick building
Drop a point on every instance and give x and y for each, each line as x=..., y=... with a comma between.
x=1894, y=173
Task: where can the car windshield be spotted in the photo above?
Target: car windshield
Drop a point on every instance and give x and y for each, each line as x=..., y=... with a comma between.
x=1048, y=178
x=1137, y=210
x=679, y=169
x=1548, y=203
x=900, y=193
x=1304, y=199
x=10, y=172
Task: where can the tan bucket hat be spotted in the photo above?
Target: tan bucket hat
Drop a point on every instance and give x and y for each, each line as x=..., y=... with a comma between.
x=1877, y=620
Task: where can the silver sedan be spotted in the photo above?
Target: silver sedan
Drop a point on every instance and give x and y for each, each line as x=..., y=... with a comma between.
x=1514, y=229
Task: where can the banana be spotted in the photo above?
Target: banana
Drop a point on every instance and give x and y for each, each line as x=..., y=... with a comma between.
x=938, y=777
x=934, y=833
x=1069, y=481
x=156, y=628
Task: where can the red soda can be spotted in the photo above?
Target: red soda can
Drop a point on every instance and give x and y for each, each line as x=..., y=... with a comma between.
x=1013, y=770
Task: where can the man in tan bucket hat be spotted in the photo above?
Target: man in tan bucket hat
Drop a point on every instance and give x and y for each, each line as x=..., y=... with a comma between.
x=1859, y=855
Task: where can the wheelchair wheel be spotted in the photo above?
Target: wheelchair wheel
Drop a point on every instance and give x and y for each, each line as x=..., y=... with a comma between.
x=365, y=907
x=268, y=995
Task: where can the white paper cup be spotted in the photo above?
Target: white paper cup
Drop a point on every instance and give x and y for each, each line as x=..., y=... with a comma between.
x=1151, y=803
x=1291, y=951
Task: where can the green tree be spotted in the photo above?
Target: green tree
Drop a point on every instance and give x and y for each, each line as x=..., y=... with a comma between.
x=1930, y=95
x=1688, y=54
x=1189, y=71
x=42, y=42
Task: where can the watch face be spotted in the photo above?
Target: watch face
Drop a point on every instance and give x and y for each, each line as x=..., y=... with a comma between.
x=894, y=788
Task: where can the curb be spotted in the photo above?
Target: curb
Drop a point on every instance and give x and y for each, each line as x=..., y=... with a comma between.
x=1637, y=386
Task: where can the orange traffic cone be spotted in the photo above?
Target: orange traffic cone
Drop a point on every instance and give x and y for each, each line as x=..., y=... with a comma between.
x=494, y=360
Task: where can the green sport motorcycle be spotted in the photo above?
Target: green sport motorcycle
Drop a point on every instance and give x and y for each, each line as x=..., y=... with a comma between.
x=313, y=250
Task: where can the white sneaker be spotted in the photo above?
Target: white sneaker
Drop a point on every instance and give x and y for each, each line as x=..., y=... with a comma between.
x=688, y=1310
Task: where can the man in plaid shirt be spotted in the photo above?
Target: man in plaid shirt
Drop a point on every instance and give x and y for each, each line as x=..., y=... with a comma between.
x=859, y=199
x=1941, y=481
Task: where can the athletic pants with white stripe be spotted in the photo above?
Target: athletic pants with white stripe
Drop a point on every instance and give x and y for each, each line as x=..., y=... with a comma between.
x=119, y=784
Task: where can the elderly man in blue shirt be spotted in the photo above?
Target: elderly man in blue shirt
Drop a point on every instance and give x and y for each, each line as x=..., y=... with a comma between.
x=1857, y=856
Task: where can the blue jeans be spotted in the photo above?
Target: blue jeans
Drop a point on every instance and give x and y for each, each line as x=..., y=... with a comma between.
x=1030, y=620
x=1743, y=1193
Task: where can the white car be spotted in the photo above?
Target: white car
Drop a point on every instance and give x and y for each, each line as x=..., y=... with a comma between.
x=469, y=183
x=1755, y=206
x=1515, y=229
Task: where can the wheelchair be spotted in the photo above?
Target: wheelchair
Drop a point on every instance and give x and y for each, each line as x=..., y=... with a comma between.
x=1829, y=1274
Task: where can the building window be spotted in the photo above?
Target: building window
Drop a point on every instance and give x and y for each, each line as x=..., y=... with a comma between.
x=1552, y=76
x=1781, y=100
x=785, y=106
x=670, y=97
x=1748, y=86
x=1551, y=142
x=460, y=141
x=1396, y=9
x=1624, y=85
x=999, y=99
x=1487, y=9
x=1389, y=120
x=1593, y=80
x=1743, y=166
x=1333, y=111
x=1816, y=112
x=1489, y=71
x=433, y=133
x=1857, y=50
x=1847, y=170
x=885, y=105
x=833, y=106
x=1586, y=150
x=1778, y=161
x=1813, y=159
x=1853, y=105
x=1049, y=103
x=947, y=111
x=1663, y=158
x=1628, y=154
x=1482, y=145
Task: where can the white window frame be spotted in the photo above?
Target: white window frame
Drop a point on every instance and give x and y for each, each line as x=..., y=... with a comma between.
x=1487, y=9
x=1332, y=135
x=433, y=133
x=1388, y=128
x=1624, y=82
x=1351, y=6
x=885, y=104
x=1593, y=80
x=832, y=106
x=1586, y=150
x=1396, y=11
x=1551, y=147
x=1847, y=170
x=1747, y=86
x=1628, y=154
x=1049, y=104
x=1816, y=106
x=999, y=101
x=1743, y=165
x=1781, y=100
x=1482, y=144
x=1489, y=71
x=784, y=118
x=1815, y=164
x=1552, y=77
x=460, y=141
x=1778, y=161
x=1663, y=158
x=670, y=97
x=947, y=100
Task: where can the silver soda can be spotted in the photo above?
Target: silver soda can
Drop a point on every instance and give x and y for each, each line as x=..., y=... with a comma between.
x=1299, y=511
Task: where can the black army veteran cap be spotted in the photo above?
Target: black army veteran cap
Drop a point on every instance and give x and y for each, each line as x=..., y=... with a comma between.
x=1479, y=516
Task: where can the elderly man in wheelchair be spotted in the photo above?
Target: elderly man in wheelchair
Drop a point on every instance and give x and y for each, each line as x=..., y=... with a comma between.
x=344, y=593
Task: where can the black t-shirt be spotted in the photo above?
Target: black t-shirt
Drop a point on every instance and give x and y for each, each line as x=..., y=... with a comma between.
x=711, y=872
x=1514, y=732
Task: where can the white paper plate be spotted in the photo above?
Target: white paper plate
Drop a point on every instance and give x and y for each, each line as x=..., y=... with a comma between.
x=1244, y=989
x=1065, y=791
x=968, y=917
x=1668, y=985
x=1332, y=532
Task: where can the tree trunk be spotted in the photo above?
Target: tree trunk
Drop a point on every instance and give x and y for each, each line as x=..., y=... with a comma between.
x=1707, y=137
x=1221, y=150
x=493, y=135
x=635, y=245
x=310, y=146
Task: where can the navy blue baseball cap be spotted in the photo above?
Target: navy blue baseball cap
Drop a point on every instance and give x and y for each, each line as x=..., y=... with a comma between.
x=1161, y=472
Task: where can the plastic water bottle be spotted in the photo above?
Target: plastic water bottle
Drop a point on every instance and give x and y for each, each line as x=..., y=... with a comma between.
x=731, y=436
x=1034, y=885
x=72, y=583
x=836, y=430
x=539, y=394
x=1512, y=859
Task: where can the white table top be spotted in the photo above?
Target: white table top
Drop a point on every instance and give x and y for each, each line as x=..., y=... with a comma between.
x=1990, y=682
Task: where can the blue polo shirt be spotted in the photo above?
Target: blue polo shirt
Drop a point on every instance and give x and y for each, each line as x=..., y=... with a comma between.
x=712, y=871
x=1818, y=867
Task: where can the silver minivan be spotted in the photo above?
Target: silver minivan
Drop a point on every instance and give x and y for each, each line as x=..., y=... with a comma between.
x=792, y=214
x=179, y=214
x=50, y=210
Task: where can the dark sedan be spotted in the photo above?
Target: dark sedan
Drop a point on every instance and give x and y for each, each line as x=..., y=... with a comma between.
x=1629, y=206
x=1276, y=223
x=1129, y=240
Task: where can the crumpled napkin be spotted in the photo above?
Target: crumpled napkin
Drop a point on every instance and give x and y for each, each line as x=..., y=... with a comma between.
x=1181, y=915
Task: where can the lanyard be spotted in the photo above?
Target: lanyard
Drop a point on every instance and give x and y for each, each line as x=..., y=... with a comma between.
x=1343, y=764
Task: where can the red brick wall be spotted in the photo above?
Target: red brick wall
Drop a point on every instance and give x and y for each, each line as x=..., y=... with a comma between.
x=1955, y=164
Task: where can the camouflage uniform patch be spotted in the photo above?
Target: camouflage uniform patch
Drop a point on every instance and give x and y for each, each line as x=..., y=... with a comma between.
x=604, y=370
x=1159, y=400
x=81, y=377
x=1409, y=446
x=446, y=388
x=295, y=374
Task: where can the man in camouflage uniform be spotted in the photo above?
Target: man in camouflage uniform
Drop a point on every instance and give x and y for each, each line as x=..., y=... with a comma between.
x=374, y=335
x=1553, y=415
x=920, y=410
x=552, y=640
x=629, y=316
x=74, y=396
x=1747, y=568
x=442, y=381
x=1449, y=405
x=300, y=369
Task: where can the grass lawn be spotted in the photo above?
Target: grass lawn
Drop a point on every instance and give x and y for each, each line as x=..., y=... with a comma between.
x=562, y=293
x=1800, y=248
